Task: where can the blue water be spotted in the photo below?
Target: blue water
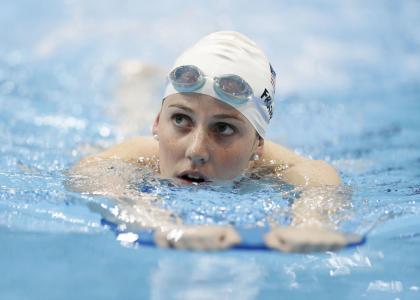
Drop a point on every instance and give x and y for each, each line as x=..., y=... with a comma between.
x=348, y=92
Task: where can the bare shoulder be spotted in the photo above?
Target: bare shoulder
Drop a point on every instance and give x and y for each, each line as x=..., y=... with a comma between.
x=301, y=170
x=109, y=171
x=280, y=154
x=129, y=150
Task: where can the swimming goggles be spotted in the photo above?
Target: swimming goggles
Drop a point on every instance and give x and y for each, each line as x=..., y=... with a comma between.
x=230, y=87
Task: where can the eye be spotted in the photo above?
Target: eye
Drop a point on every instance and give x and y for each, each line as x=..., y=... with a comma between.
x=224, y=129
x=181, y=120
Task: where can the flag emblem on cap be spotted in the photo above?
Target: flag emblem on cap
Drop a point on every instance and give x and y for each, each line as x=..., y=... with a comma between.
x=273, y=78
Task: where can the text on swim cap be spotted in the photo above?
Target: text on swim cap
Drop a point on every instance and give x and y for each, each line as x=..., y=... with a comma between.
x=265, y=96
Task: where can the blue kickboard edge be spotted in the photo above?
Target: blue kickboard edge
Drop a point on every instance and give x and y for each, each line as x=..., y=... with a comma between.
x=251, y=238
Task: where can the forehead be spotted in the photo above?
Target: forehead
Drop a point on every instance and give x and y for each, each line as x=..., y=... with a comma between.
x=200, y=103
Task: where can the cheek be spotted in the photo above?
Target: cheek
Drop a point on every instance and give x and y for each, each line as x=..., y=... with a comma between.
x=169, y=152
x=234, y=159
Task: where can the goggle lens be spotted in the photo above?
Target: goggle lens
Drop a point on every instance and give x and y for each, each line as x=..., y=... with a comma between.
x=233, y=87
x=187, y=78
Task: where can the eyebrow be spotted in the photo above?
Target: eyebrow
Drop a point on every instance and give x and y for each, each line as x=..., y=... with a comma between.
x=219, y=116
x=227, y=116
x=181, y=107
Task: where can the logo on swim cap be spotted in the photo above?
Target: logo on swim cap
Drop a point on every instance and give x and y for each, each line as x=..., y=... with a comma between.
x=268, y=101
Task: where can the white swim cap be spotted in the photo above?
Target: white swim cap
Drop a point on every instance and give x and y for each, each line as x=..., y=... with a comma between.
x=229, y=52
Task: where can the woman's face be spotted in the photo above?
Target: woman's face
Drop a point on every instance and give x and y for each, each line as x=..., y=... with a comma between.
x=203, y=139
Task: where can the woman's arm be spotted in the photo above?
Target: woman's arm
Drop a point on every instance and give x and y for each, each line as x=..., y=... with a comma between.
x=116, y=179
x=317, y=181
x=320, y=199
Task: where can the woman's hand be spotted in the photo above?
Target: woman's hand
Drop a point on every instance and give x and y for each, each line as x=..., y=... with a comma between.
x=308, y=239
x=197, y=237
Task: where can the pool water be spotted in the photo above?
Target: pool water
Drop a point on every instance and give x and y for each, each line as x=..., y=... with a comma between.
x=348, y=92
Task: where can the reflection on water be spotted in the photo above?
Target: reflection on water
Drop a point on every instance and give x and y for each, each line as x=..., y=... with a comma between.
x=256, y=275
x=209, y=277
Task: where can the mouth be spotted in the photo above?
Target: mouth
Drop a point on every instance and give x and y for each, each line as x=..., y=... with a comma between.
x=192, y=177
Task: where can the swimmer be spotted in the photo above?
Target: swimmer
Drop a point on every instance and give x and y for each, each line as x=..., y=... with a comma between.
x=211, y=127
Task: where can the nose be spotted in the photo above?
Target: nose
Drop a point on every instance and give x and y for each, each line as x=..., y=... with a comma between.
x=197, y=150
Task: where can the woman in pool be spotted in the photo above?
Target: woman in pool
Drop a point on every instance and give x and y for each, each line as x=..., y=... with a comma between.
x=211, y=127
